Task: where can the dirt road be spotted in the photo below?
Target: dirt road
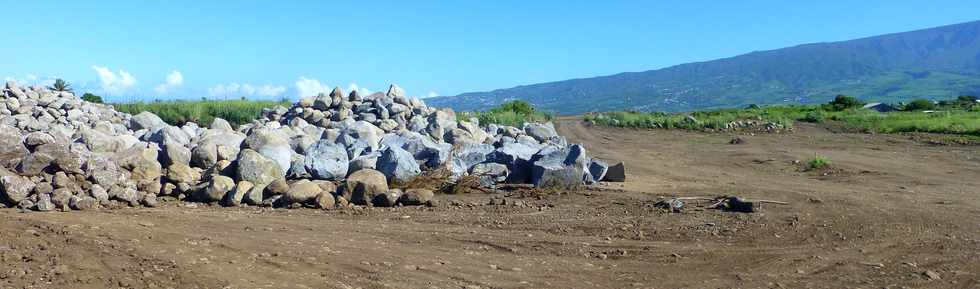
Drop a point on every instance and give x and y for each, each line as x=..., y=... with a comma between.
x=892, y=213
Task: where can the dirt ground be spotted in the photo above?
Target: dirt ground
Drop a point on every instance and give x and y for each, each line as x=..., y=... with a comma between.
x=891, y=213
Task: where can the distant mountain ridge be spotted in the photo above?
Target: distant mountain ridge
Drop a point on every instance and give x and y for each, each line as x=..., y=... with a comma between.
x=941, y=62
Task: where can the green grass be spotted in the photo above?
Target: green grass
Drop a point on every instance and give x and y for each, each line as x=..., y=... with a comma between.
x=950, y=120
x=702, y=120
x=202, y=112
x=818, y=162
x=512, y=113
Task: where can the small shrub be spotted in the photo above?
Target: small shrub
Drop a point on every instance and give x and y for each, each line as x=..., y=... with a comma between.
x=818, y=162
x=843, y=102
x=814, y=117
x=920, y=105
x=512, y=113
x=92, y=98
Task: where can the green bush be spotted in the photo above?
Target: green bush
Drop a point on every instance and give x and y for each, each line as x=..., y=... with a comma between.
x=843, y=102
x=920, y=105
x=512, y=113
x=814, y=117
x=91, y=98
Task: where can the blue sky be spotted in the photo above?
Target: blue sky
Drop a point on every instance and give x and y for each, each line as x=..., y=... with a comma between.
x=270, y=49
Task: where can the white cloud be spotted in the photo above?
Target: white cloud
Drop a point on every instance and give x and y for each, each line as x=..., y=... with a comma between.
x=310, y=87
x=235, y=89
x=174, y=79
x=114, y=83
x=432, y=94
x=269, y=90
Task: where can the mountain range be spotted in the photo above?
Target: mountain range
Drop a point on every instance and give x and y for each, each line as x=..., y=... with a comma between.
x=935, y=63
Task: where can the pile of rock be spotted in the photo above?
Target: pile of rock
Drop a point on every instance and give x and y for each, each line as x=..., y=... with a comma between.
x=59, y=152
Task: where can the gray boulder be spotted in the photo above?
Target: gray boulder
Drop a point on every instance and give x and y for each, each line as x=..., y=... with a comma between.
x=219, y=123
x=326, y=161
x=12, y=149
x=541, y=132
x=557, y=167
x=14, y=188
x=257, y=169
x=205, y=153
x=302, y=191
x=217, y=189
x=398, y=165
x=597, y=171
x=416, y=197
x=146, y=120
x=516, y=156
x=468, y=155
x=490, y=174
x=173, y=153
x=169, y=134
x=272, y=144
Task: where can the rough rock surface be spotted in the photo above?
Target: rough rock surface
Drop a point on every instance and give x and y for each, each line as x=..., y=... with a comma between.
x=58, y=152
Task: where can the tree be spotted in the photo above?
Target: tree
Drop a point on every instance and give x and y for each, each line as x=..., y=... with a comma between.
x=92, y=98
x=920, y=104
x=61, y=85
x=842, y=102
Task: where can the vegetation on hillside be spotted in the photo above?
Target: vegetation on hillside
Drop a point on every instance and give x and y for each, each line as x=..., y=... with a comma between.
x=202, y=112
x=513, y=113
x=960, y=116
x=936, y=63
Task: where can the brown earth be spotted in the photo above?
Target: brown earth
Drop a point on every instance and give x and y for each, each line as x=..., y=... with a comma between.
x=890, y=213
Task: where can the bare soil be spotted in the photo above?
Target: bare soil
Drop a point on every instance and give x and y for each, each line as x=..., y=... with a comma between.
x=891, y=212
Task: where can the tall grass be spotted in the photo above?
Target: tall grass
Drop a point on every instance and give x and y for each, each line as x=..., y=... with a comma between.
x=202, y=112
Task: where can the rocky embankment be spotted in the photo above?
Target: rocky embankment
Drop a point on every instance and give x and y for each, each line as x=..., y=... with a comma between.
x=58, y=152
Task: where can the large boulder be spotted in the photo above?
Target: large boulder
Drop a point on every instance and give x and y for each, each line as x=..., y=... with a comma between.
x=257, y=169
x=14, y=188
x=146, y=120
x=101, y=142
x=597, y=171
x=216, y=189
x=490, y=174
x=517, y=158
x=326, y=161
x=468, y=155
x=426, y=151
x=182, y=173
x=141, y=161
x=12, y=149
x=557, y=167
x=302, y=191
x=272, y=144
x=361, y=186
x=416, y=197
x=615, y=173
x=398, y=165
x=541, y=132
x=173, y=153
x=169, y=134
x=57, y=154
x=205, y=153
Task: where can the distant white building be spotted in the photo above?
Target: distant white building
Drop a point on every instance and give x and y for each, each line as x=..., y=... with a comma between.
x=880, y=107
